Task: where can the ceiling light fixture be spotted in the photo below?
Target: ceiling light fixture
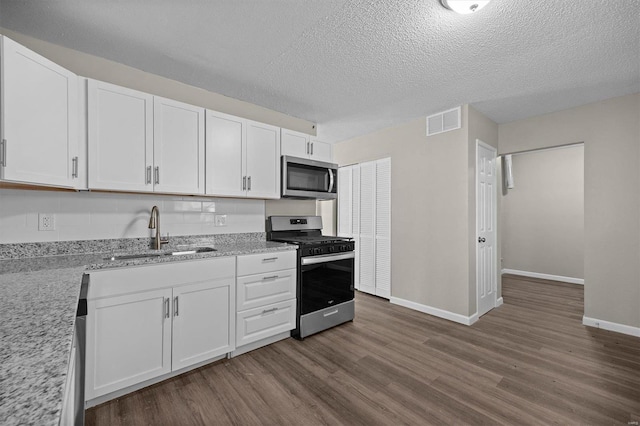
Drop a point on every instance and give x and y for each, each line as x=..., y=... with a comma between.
x=464, y=6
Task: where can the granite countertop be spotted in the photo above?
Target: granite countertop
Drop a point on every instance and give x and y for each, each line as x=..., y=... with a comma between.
x=38, y=302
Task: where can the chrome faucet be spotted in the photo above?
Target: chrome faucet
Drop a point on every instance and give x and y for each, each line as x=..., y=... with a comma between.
x=154, y=223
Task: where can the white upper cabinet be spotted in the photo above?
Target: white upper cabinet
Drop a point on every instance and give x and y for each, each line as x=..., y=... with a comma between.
x=242, y=157
x=39, y=143
x=138, y=142
x=263, y=160
x=295, y=144
x=301, y=145
x=120, y=131
x=320, y=151
x=224, y=155
x=178, y=147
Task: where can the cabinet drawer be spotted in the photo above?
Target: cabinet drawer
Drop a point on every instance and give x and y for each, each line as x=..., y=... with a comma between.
x=257, y=324
x=266, y=262
x=264, y=289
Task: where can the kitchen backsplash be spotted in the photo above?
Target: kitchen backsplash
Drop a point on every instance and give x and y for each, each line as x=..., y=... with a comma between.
x=91, y=215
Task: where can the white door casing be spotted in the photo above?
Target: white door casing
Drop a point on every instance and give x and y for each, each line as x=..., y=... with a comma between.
x=486, y=270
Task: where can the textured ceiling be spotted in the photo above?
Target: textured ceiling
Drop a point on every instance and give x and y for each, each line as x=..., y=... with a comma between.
x=361, y=65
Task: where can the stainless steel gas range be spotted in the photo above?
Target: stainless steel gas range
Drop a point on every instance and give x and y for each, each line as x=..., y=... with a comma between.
x=325, y=273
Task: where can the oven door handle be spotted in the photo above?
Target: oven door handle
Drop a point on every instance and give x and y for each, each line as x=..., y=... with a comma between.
x=325, y=258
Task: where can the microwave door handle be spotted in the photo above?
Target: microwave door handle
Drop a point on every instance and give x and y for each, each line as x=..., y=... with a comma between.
x=330, y=180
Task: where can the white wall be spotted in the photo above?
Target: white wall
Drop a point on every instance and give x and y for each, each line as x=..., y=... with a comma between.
x=432, y=207
x=543, y=215
x=89, y=215
x=610, y=130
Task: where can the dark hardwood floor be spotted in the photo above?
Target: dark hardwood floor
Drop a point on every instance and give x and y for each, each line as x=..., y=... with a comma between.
x=530, y=361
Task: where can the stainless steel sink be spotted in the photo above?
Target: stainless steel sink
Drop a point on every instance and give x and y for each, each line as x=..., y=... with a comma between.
x=193, y=250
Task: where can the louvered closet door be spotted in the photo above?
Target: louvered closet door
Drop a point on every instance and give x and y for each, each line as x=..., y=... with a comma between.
x=355, y=220
x=383, y=228
x=367, y=227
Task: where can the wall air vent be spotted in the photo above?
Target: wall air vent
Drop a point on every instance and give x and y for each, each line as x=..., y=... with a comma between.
x=444, y=121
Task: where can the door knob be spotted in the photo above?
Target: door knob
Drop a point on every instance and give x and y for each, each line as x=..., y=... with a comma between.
x=482, y=239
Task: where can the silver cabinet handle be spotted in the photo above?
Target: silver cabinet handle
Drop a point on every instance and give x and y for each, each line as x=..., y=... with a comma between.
x=249, y=183
x=326, y=314
x=307, y=147
x=266, y=311
x=311, y=148
x=269, y=259
x=273, y=277
x=148, y=175
x=244, y=183
x=3, y=153
x=157, y=175
x=74, y=167
x=175, y=306
x=166, y=308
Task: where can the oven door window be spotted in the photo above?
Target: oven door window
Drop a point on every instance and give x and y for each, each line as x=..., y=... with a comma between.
x=307, y=178
x=326, y=284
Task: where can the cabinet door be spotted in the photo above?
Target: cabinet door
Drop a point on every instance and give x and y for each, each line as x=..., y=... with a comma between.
x=128, y=341
x=120, y=132
x=224, y=155
x=39, y=119
x=263, y=160
x=320, y=151
x=294, y=144
x=178, y=147
x=203, y=321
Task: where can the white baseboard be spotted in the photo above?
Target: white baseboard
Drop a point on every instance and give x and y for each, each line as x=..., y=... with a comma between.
x=441, y=313
x=499, y=302
x=544, y=276
x=611, y=326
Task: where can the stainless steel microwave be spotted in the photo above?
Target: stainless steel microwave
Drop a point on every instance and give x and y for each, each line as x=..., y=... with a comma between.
x=309, y=179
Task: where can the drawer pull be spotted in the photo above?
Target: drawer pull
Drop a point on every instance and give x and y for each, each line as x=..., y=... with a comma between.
x=266, y=311
x=270, y=259
x=273, y=277
x=330, y=313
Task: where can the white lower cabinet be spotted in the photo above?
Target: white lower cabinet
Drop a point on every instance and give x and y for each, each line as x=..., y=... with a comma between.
x=266, y=299
x=148, y=321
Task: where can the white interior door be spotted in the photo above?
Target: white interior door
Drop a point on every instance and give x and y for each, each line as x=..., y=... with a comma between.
x=486, y=276
x=367, y=227
x=383, y=228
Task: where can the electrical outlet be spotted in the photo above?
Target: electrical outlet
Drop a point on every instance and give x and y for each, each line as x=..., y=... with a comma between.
x=221, y=220
x=46, y=222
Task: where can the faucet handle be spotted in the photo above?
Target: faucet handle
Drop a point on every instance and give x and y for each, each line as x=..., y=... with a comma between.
x=164, y=240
